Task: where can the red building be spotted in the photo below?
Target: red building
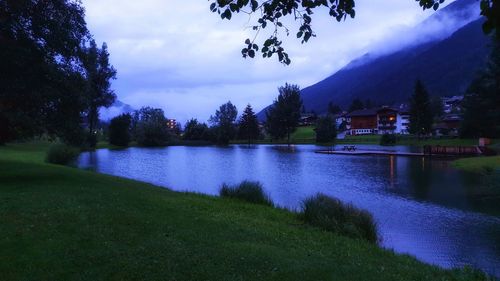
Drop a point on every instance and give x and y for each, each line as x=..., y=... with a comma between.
x=363, y=122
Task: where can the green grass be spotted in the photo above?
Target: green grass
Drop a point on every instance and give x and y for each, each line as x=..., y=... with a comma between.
x=61, y=223
x=304, y=133
x=478, y=164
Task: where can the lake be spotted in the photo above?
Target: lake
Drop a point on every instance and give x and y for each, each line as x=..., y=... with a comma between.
x=423, y=206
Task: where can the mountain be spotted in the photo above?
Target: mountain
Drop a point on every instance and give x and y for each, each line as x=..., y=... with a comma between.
x=114, y=110
x=446, y=64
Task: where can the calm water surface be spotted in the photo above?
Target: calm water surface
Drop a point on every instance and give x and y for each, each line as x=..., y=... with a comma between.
x=423, y=207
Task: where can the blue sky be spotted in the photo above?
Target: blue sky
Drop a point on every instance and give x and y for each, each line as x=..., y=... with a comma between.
x=177, y=55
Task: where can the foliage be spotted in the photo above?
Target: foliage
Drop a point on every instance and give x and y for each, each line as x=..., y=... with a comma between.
x=119, y=130
x=326, y=129
x=356, y=104
x=61, y=154
x=40, y=79
x=284, y=114
x=273, y=12
x=247, y=191
x=331, y=214
x=98, y=73
x=223, y=123
x=421, y=115
x=482, y=101
x=333, y=108
x=388, y=139
x=248, y=126
x=196, y=131
x=149, y=127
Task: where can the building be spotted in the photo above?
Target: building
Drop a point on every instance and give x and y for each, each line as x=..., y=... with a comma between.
x=343, y=121
x=171, y=124
x=363, y=122
x=307, y=119
x=452, y=104
x=383, y=120
x=448, y=125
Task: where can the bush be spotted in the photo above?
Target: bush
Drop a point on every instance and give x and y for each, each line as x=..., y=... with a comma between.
x=326, y=129
x=247, y=191
x=388, y=139
x=119, y=130
x=62, y=154
x=332, y=215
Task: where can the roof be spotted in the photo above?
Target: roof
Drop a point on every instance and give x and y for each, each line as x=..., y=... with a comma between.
x=363, y=112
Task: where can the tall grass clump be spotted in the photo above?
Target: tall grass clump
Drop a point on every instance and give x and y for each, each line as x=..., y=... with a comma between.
x=62, y=154
x=332, y=215
x=247, y=191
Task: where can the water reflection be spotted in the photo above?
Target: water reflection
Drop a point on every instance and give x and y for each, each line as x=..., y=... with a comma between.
x=423, y=206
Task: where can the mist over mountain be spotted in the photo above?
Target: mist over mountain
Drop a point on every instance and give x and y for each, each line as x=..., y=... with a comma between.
x=114, y=110
x=445, y=51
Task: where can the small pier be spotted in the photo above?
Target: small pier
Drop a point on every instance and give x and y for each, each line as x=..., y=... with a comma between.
x=370, y=152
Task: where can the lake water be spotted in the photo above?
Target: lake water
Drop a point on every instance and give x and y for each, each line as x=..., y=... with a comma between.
x=423, y=206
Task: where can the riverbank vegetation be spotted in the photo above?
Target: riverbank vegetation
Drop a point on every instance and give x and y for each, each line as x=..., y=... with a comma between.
x=487, y=164
x=61, y=223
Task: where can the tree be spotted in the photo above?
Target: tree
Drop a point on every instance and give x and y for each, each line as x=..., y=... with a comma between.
x=119, y=130
x=356, y=104
x=223, y=123
x=98, y=72
x=40, y=79
x=369, y=104
x=150, y=127
x=248, y=126
x=421, y=115
x=333, y=109
x=326, y=129
x=284, y=115
x=196, y=131
x=482, y=101
x=273, y=12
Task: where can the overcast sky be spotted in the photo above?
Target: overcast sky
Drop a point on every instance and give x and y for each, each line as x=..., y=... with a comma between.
x=177, y=55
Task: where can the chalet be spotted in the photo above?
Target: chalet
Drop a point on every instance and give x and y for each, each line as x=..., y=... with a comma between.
x=448, y=125
x=452, y=104
x=307, y=119
x=343, y=121
x=363, y=122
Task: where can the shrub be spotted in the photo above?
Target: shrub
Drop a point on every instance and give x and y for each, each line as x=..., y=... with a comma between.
x=388, y=139
x=326, y=129
x=119, y=130
x=62, y=154
x=247, y=191
x=332, y=215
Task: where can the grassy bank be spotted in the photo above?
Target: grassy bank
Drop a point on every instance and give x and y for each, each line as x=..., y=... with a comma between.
x=478, y=164
x=61, y=223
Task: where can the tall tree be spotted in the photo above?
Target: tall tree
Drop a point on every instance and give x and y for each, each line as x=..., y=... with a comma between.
x=223, y=123
x=119, y=130
x=284, y=115
x=356, y=104
x=40, y=68
x=421, y=115
x=149, y=127
x=326, y=129
x=193, y=130
x=99, y=73
x=248, y=128
x=482, y=101
x=271, y=13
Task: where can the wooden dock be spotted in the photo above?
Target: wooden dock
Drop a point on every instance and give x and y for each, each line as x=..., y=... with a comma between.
x=370, y=152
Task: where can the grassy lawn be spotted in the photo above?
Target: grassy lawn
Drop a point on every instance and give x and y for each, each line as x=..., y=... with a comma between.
x=61, y=223
x=478, y=164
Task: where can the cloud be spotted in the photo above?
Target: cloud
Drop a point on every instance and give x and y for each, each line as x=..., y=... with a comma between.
x=178, y=55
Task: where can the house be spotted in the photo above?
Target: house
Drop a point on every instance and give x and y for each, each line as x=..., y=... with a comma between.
x=307, y=119
x=448, y=125
x=452, y=104
x=363, y=122
x=386, y=120
x=343, y=121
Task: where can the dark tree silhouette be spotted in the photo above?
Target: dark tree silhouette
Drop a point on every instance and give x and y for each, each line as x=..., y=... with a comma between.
x=193, y=130
x=150, y=127
x=421, y=115
x=333, y=109
x=482, y=101
x=326, y=129
x=248, y=126
x=40, y=79
x=99, y=73
x=223, y=123
x=284, y=115
x=356, y=104
x=271, y=13
x=119, y=130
